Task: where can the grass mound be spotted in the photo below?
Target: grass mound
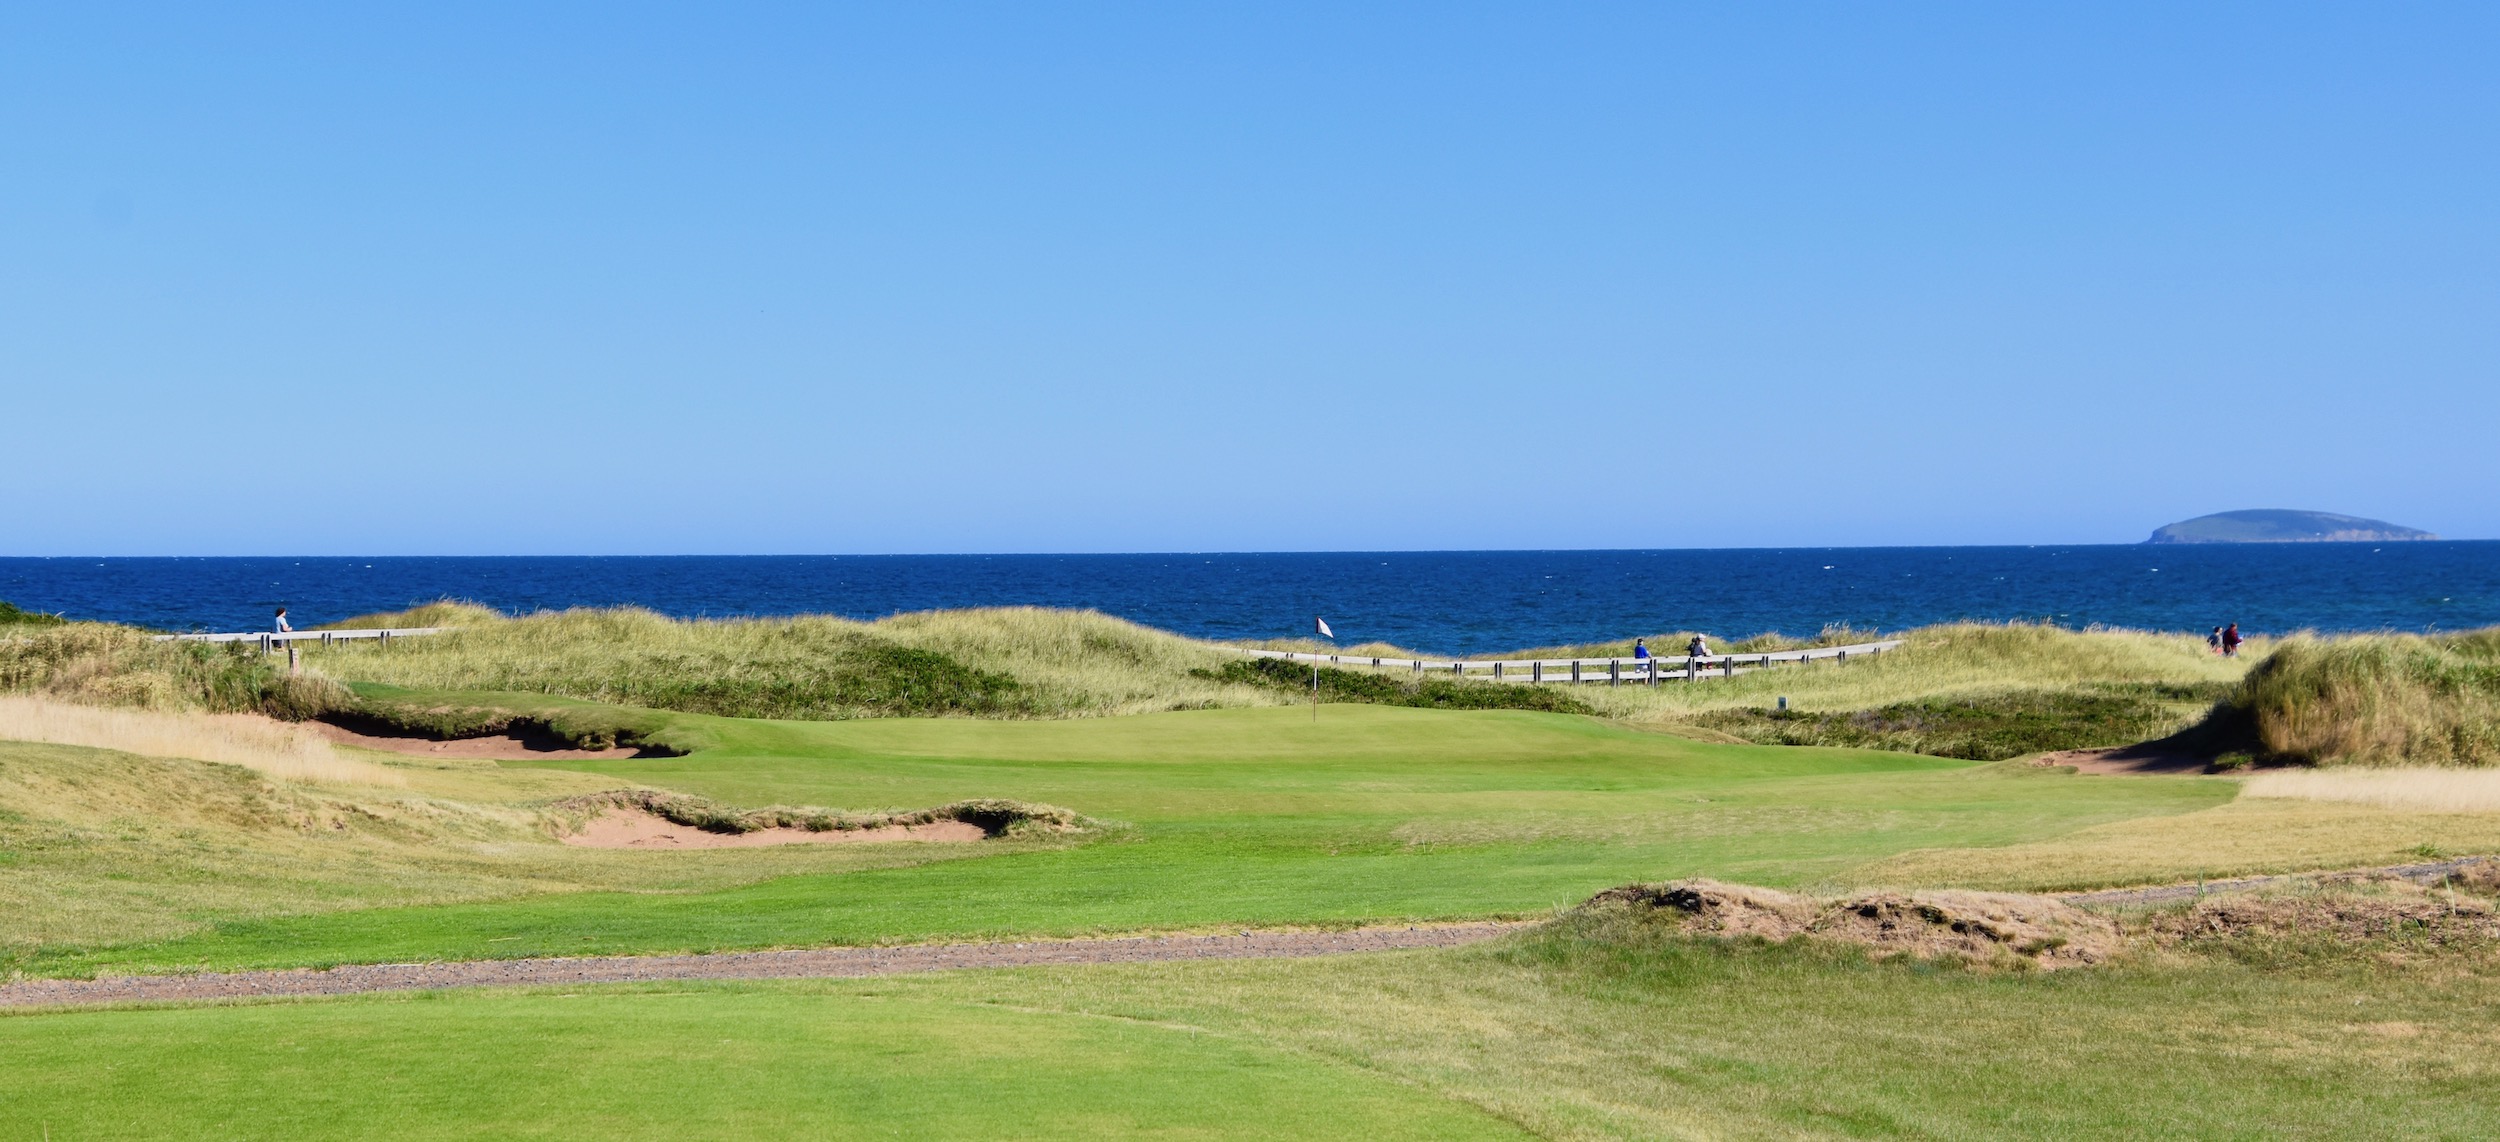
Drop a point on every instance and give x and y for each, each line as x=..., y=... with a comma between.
x=2338, y=918
x=11, y=616
x=997, y=817
x=2370, y=700
x=1978, y=927
x=440, y=613
x=104, y=664
x=1380, y=689
x=998, y=663
x=1985, y=726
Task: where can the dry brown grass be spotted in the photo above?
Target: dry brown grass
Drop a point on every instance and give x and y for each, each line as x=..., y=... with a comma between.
x=2035, y=931
x=272, y=748
x=2247, y=837
x=2428, y=790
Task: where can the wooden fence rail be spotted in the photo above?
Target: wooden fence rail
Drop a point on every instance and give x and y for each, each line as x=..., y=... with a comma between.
x=269, y=640
x=1612, y=671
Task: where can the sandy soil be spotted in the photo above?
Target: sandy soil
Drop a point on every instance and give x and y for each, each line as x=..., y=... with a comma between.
x=636, y=829
x=493, y=747
x=2130, y=759
x=830, y=963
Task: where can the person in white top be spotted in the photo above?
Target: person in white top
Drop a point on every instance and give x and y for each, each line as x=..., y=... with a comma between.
x=1697, y=648
x=280, y=624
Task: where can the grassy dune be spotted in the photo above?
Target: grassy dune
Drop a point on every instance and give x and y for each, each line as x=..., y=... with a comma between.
x=1969, y=690
x=1976, y=691
x=2380, y=700
x=1007, y=662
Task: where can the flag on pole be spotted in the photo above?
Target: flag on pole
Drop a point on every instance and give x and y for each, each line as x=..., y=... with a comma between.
x=1324, y=632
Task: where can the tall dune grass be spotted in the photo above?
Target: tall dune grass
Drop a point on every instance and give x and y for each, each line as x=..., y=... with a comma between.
x=1078, y=663
x=2428, y=790
x=1951, y=659
x=1012, y=662
x=2391, y=700
x=107, y=664
x=276, y=749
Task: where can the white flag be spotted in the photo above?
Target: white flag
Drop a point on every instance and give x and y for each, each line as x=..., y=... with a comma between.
x=1324, y=632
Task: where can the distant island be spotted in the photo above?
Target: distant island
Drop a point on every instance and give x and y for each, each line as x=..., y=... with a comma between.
x=2278, y=525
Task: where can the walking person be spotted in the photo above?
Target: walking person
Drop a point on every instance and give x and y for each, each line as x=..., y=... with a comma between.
x=1699, y=649
x=279, y=624
x=2213, y=642
x=2231, y=641
x=1640, y=656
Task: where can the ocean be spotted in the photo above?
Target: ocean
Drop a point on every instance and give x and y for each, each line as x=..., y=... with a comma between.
x=1442, y=602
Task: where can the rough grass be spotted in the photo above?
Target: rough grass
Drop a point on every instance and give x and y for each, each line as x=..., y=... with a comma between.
x=2391, y=700
x=2245, y=837
x=11, y=616
x=272, y=748
x=1006, y=663
x=1375, y=688
x=105, y=664
x=101, y=847
x=1988, y=726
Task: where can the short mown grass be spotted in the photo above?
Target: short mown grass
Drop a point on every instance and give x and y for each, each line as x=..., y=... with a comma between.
x=1575, y=1031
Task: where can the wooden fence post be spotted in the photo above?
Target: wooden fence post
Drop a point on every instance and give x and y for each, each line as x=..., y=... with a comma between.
x=1575, y=670
x=1536, y=672
x=1614, y=672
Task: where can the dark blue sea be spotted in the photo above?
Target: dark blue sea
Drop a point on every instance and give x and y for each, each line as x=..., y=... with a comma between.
x=1454, y=602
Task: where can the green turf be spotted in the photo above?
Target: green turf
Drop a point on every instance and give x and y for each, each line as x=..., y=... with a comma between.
x=1568, y=1033
x=1258, y=816
x=706, y=1063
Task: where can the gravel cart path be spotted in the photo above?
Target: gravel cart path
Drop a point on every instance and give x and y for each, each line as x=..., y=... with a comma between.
x=828, y=963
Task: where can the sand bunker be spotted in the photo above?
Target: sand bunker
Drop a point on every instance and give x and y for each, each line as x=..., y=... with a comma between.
x=2124, y=760
x=627, y=828
x=488, y=747
x=2042, y=930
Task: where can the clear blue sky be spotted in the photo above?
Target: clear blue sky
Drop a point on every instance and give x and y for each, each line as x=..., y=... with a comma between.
x=623, y=278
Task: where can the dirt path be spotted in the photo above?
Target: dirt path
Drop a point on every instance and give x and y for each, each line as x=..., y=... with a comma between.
x=829, y=963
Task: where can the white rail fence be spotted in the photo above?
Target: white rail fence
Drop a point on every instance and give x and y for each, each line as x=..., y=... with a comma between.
x=1612, y=671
